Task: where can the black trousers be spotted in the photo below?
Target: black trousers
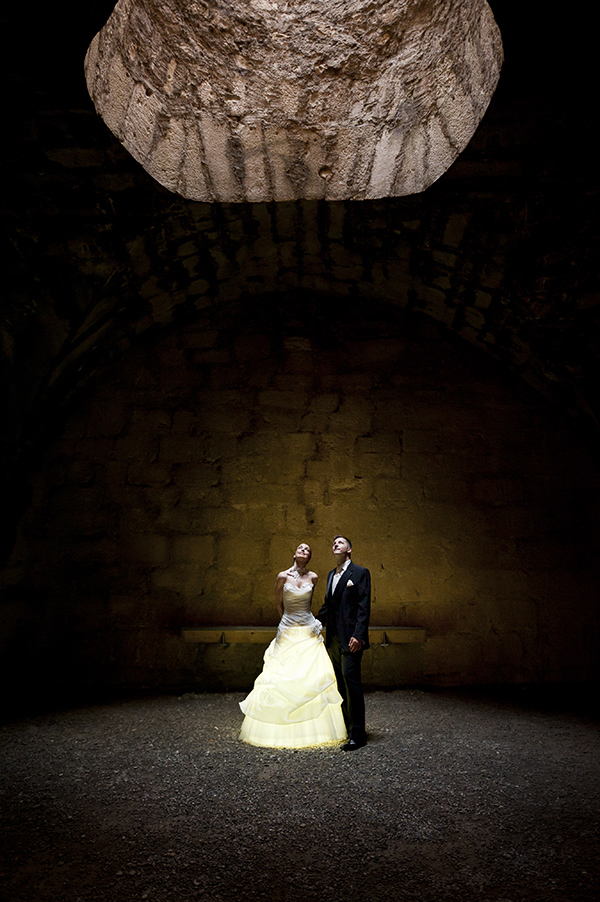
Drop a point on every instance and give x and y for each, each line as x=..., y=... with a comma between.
x=347, y=667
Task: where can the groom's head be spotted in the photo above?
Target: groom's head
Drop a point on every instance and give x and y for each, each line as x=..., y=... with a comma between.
x=342, y=547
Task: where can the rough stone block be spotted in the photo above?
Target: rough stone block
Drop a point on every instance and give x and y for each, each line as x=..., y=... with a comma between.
x=195, y=481
x=82, y=472
x=371, y=466
x=313, y=491
x=107, y=420
x=180, y=579
x=224, y=419
x=379, y=443
x=323, y=471
x=149, y=473
x=259, y=494
x=176, y=518
x=197, y=550
x=155, y=421
x=183, y=422
x=96, y=449
x=391, y=491
x=203, y=356
x=354, y=417
x=436, y=484
x=252, y=347
x=427, y=441
x=298, y=521
x=498, y=491
x=95, y=548
x=288, y=400
x=177, y=449
x=137, y=446
x=123, y=609
x=278, y=419
x=145, y=548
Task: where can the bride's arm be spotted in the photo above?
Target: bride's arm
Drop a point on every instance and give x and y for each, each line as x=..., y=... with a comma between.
x=279, y=583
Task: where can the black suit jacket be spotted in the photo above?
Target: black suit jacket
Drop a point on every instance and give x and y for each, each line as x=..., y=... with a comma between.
x=346, y=611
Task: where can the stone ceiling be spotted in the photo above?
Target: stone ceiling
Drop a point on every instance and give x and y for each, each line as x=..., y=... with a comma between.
x=502, y=249
x=259, y=100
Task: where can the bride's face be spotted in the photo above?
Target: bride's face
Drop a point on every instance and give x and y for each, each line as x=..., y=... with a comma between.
x=303, y=554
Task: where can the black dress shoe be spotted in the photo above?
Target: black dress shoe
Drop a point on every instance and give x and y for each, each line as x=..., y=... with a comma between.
x=353, y=744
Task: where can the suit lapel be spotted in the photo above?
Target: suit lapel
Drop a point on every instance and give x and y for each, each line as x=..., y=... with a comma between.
x=329, y=582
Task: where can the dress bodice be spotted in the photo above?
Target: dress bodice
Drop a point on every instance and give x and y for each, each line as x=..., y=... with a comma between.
x=296, y=599
x=296, y=607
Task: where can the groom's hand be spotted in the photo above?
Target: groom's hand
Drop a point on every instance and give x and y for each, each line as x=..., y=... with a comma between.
x=354, y=645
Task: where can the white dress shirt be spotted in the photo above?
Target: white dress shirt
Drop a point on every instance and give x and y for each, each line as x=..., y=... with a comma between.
x=337, y=575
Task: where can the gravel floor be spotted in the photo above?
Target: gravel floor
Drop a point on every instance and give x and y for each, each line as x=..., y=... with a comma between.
x=457, y=797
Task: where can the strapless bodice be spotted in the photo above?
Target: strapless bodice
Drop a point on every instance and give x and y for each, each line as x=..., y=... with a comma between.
x=296, y=599
x=296, y=608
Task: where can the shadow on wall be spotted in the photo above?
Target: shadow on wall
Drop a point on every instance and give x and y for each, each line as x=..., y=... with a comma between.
x=192, y=468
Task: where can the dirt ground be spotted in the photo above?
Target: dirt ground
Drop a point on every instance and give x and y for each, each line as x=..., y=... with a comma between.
x=458, y=796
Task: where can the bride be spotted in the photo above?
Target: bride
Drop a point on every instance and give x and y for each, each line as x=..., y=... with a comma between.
x=295, y=702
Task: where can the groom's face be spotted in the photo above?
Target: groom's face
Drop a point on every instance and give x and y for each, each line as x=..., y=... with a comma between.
x=341, y=546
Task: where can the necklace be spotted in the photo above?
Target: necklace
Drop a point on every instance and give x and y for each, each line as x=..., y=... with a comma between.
x=297, y=573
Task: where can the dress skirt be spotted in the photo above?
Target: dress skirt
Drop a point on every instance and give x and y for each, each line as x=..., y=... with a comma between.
x=295, y=701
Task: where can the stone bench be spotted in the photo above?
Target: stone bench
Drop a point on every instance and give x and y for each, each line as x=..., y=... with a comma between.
x=262, y=635
x=230, y=657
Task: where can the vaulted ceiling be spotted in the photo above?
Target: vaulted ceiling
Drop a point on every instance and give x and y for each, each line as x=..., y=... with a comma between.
x=502, y=249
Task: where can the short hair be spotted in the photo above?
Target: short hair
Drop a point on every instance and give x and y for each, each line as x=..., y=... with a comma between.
x=345, y=538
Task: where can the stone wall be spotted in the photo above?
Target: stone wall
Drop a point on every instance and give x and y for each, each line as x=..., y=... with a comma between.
x=183, y=479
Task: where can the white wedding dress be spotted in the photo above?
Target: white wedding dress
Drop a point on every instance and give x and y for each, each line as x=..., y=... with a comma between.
x=295, y=702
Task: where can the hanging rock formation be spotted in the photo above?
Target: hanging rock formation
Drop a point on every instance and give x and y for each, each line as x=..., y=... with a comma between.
x=258, y=100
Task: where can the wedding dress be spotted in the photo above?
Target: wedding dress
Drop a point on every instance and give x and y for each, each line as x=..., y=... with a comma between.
x=295, y=702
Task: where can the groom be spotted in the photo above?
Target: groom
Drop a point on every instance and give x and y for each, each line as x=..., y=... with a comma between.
x=345, y=614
